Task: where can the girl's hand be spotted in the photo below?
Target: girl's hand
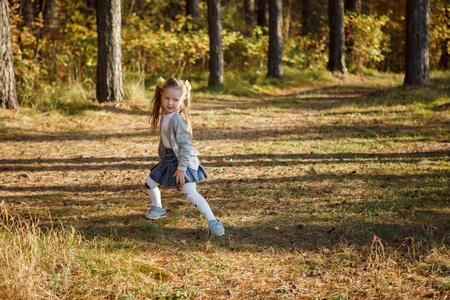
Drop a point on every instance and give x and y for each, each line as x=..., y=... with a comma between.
x=180, y=176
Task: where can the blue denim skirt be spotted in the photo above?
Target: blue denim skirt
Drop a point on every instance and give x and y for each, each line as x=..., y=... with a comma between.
x=163, y=172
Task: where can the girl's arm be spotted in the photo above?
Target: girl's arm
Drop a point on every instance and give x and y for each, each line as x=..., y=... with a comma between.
x=183, y=139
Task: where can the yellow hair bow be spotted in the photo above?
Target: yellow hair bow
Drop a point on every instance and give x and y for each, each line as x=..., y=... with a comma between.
x=188, y=85
x=160, y=82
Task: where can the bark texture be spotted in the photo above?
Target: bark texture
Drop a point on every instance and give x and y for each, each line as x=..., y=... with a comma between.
x=215, y=44
x=8, y=93
x=336, y=61
x=275, y=61
x=109, y=66
x=417, y=41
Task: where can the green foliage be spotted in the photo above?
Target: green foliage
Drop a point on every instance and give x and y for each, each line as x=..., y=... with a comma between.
x=42, y=55
x=439, y=33
x=167, y=50
x=305, y=52
x=366, y=43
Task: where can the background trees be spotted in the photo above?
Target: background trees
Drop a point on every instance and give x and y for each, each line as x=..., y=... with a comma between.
x=57, y=41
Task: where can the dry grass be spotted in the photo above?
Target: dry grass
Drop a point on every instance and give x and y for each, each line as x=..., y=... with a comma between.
x=326, y=193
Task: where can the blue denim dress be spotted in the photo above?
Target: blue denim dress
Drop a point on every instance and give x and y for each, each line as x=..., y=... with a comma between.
x=163, y=172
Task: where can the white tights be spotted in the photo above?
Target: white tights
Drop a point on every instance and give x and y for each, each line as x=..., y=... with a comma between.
x=190, y=189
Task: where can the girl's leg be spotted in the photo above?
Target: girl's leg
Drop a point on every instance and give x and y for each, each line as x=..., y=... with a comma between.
x=153, y=191
x=190, y=189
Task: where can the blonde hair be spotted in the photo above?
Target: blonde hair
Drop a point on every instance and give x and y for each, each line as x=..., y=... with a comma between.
x=156, y=107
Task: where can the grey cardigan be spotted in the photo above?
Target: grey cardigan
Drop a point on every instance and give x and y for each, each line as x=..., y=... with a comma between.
x=180, y=140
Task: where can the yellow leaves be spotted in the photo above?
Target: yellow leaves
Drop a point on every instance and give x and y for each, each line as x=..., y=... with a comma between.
x=367, y=40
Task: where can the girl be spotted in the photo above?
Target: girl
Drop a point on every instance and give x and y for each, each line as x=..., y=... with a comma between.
x=179, y=164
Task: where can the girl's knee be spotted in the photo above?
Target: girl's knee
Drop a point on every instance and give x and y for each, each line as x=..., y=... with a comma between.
x=150, y=184
x=190, y=190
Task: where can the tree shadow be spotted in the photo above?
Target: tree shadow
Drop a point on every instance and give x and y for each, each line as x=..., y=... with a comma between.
x=291, y=219
x=213, y=161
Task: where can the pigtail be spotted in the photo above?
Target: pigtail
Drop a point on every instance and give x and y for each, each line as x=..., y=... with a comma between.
x=184, y=111
x=155, y=111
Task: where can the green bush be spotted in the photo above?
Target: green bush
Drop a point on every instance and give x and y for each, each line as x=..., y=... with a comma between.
x=366, y=43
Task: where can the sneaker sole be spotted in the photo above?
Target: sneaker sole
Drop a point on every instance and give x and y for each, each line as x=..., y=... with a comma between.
x=153, y=218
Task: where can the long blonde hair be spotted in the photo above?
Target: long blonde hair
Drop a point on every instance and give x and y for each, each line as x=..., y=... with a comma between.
x=155, y=112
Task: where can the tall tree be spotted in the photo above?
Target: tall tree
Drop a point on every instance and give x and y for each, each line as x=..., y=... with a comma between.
x=51, y=16
x=192, y=8
x=307, y=20
x=215, y=43
x=336, y=61
x=249, y=11
x=8, y=93
x=263, y=14
x=444, y=60
x=353, y=5
x=109, y=64
x=275, y=61
x=417, y=41
x=27, y=11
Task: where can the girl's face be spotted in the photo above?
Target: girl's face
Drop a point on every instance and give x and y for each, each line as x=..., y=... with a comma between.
x=171, y=100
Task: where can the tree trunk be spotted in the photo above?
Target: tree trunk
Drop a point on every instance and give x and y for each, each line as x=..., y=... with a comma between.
x=336, y=61
x=51, y=13
x=306, y=17
x=287, y=19
x=417, y=41
x=8, y=93
x=275, y=61
x=263, y=14
x=444, y=60
x=51, y=17
x=27, y=11
x=249, y=10
x=192, y=8
x=215, y=44
x=353, y=5
x=109, y=66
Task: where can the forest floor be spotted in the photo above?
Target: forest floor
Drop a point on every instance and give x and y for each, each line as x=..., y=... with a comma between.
x=325, y=192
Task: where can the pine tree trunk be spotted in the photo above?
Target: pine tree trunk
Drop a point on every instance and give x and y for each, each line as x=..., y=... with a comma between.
x=249, y=10
x=275, y=60
x=263, y=14
x=51, y=13
x=353, y=5
x=306, y=16
x=336, y=61
x=192, y=8
x=51, y=17
x=27, y=11
x=417, y=41
x=8, y=93
x=215, y=44
x=109, y=66
x=444, y=60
